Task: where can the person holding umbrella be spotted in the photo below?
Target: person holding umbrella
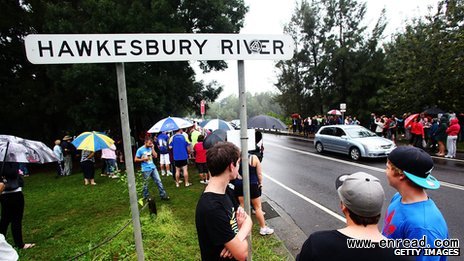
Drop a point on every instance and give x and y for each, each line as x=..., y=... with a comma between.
x=12, y=202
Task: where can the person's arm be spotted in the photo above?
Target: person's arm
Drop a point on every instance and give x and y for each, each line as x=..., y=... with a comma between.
x=153, y=152
x=259, y=171
x=138, y=157
x=238, y=246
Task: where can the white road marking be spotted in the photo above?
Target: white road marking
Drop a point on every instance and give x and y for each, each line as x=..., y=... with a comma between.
x=312, y=202
x=443, y=183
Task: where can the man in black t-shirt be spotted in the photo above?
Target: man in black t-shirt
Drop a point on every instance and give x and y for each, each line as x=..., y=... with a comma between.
x=361, y=199
x=222, y=229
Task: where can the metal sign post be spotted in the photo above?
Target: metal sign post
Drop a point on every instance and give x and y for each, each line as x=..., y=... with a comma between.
x=122, y=94
x=244, y=143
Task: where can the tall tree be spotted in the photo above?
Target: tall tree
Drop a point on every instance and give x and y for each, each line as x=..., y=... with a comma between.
x=425, y=62
x=84, y=96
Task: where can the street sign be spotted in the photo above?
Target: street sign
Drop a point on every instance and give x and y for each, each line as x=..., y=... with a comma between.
x=343, y=106
x=113, y=48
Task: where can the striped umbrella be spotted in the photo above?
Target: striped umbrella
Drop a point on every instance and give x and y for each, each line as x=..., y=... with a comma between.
x=216, y=124
x=170, y=124
x=92, y=141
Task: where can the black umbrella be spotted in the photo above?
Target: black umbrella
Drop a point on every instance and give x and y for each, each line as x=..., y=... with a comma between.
x=214, y=137
x=434, y=111
x=266, y=122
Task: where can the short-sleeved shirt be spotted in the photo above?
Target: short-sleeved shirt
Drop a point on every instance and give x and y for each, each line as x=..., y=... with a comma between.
x=415, y=220
x=179, y=147
x=332, y=245
x=216, y=224
x=163, y=143
x=143, y=152
x=85, y=156
x=200, y=152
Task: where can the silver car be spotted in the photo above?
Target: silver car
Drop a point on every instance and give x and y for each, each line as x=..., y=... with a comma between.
x=353, y=140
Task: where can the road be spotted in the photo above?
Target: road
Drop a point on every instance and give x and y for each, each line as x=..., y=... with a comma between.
x=302, y=183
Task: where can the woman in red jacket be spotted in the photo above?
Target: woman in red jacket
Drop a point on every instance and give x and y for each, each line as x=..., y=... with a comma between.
x=417, y=133
x=452, y=131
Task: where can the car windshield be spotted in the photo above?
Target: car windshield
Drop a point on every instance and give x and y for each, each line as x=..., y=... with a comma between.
x=359, y=133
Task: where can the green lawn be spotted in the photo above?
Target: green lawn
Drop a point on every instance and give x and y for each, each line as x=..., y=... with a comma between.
x=65, y=218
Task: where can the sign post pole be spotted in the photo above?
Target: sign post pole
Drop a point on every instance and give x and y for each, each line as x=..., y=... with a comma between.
x=128, y=159
x=244, y=143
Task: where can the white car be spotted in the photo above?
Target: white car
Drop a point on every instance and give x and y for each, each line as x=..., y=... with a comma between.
x=353, y=140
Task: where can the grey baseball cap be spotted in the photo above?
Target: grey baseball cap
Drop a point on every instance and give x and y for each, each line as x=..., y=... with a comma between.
x=361, y=193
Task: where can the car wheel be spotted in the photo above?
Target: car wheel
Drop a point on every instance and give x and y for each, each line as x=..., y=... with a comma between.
x=319, y=147
x=355, y=153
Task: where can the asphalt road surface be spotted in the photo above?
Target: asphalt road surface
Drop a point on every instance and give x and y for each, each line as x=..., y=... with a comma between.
x=302, y=183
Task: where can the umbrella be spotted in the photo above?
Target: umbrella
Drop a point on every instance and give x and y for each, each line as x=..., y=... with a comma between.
x=434, y=111
x=215, y=137
x=409, y=119
x=92, y=141
x=266, y=122
x=235, y=124
x=170, y=124
x=15, y=149
x=216, y=124
x=295, y=115
x=334, y=112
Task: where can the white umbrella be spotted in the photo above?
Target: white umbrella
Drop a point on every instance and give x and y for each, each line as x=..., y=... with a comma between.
x=15, y=149
x=170, y=124
x=216, y=124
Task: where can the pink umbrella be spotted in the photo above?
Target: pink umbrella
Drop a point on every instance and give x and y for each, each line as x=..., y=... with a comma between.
x=334, y=112
x=409, y=119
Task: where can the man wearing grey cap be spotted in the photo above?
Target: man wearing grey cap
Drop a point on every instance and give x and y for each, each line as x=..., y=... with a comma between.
x=361, y=199
x=411, y=213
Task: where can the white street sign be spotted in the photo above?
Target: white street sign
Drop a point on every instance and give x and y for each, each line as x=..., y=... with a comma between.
x=113, y=48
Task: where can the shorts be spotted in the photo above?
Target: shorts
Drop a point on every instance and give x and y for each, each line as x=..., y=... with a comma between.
x=202, y=168
x=255, y=191
x=164, y=159
x=180, y=163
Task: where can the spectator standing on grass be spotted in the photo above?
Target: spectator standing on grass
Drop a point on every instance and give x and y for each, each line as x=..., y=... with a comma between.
x=165, y=162
x=109, y=155
x=256, y=187
x=68, y=153
x=412, y=214
x=222, y=229
x=361, y=198
x=88, y=167
x=59, y=156
x=181, y=150
x=452, y=131
x=12, y=202
x=145, y=155
x=200, y=160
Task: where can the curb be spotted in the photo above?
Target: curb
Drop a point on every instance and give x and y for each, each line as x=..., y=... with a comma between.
x=285, y=229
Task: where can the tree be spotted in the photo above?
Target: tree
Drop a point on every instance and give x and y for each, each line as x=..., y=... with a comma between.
x=336, y=61
x=425, y=62
x=59, y=98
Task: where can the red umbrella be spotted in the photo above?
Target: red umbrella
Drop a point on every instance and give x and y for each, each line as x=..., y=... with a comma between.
x=295, y=115
x=409, y=119
x=334, y=112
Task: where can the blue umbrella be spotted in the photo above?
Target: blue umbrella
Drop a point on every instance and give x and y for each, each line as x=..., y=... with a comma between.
x=170, y=124
x=216, y=124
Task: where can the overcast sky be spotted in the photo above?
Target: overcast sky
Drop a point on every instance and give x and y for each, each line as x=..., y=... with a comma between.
x=270, y=16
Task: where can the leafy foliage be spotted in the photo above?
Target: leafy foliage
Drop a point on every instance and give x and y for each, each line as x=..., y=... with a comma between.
x=56, y=99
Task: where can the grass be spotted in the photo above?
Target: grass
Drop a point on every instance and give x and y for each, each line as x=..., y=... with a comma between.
x=65, y=218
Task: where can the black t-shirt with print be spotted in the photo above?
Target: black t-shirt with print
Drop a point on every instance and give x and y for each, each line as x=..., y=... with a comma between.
x=332, y=245
x=216, y=224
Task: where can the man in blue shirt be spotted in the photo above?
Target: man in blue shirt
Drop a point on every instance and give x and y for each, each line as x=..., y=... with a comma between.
x=145, y=155
x=181, y=150
x=411, y=213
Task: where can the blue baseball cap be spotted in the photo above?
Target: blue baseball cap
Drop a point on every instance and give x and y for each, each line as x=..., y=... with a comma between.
x=416, y=164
